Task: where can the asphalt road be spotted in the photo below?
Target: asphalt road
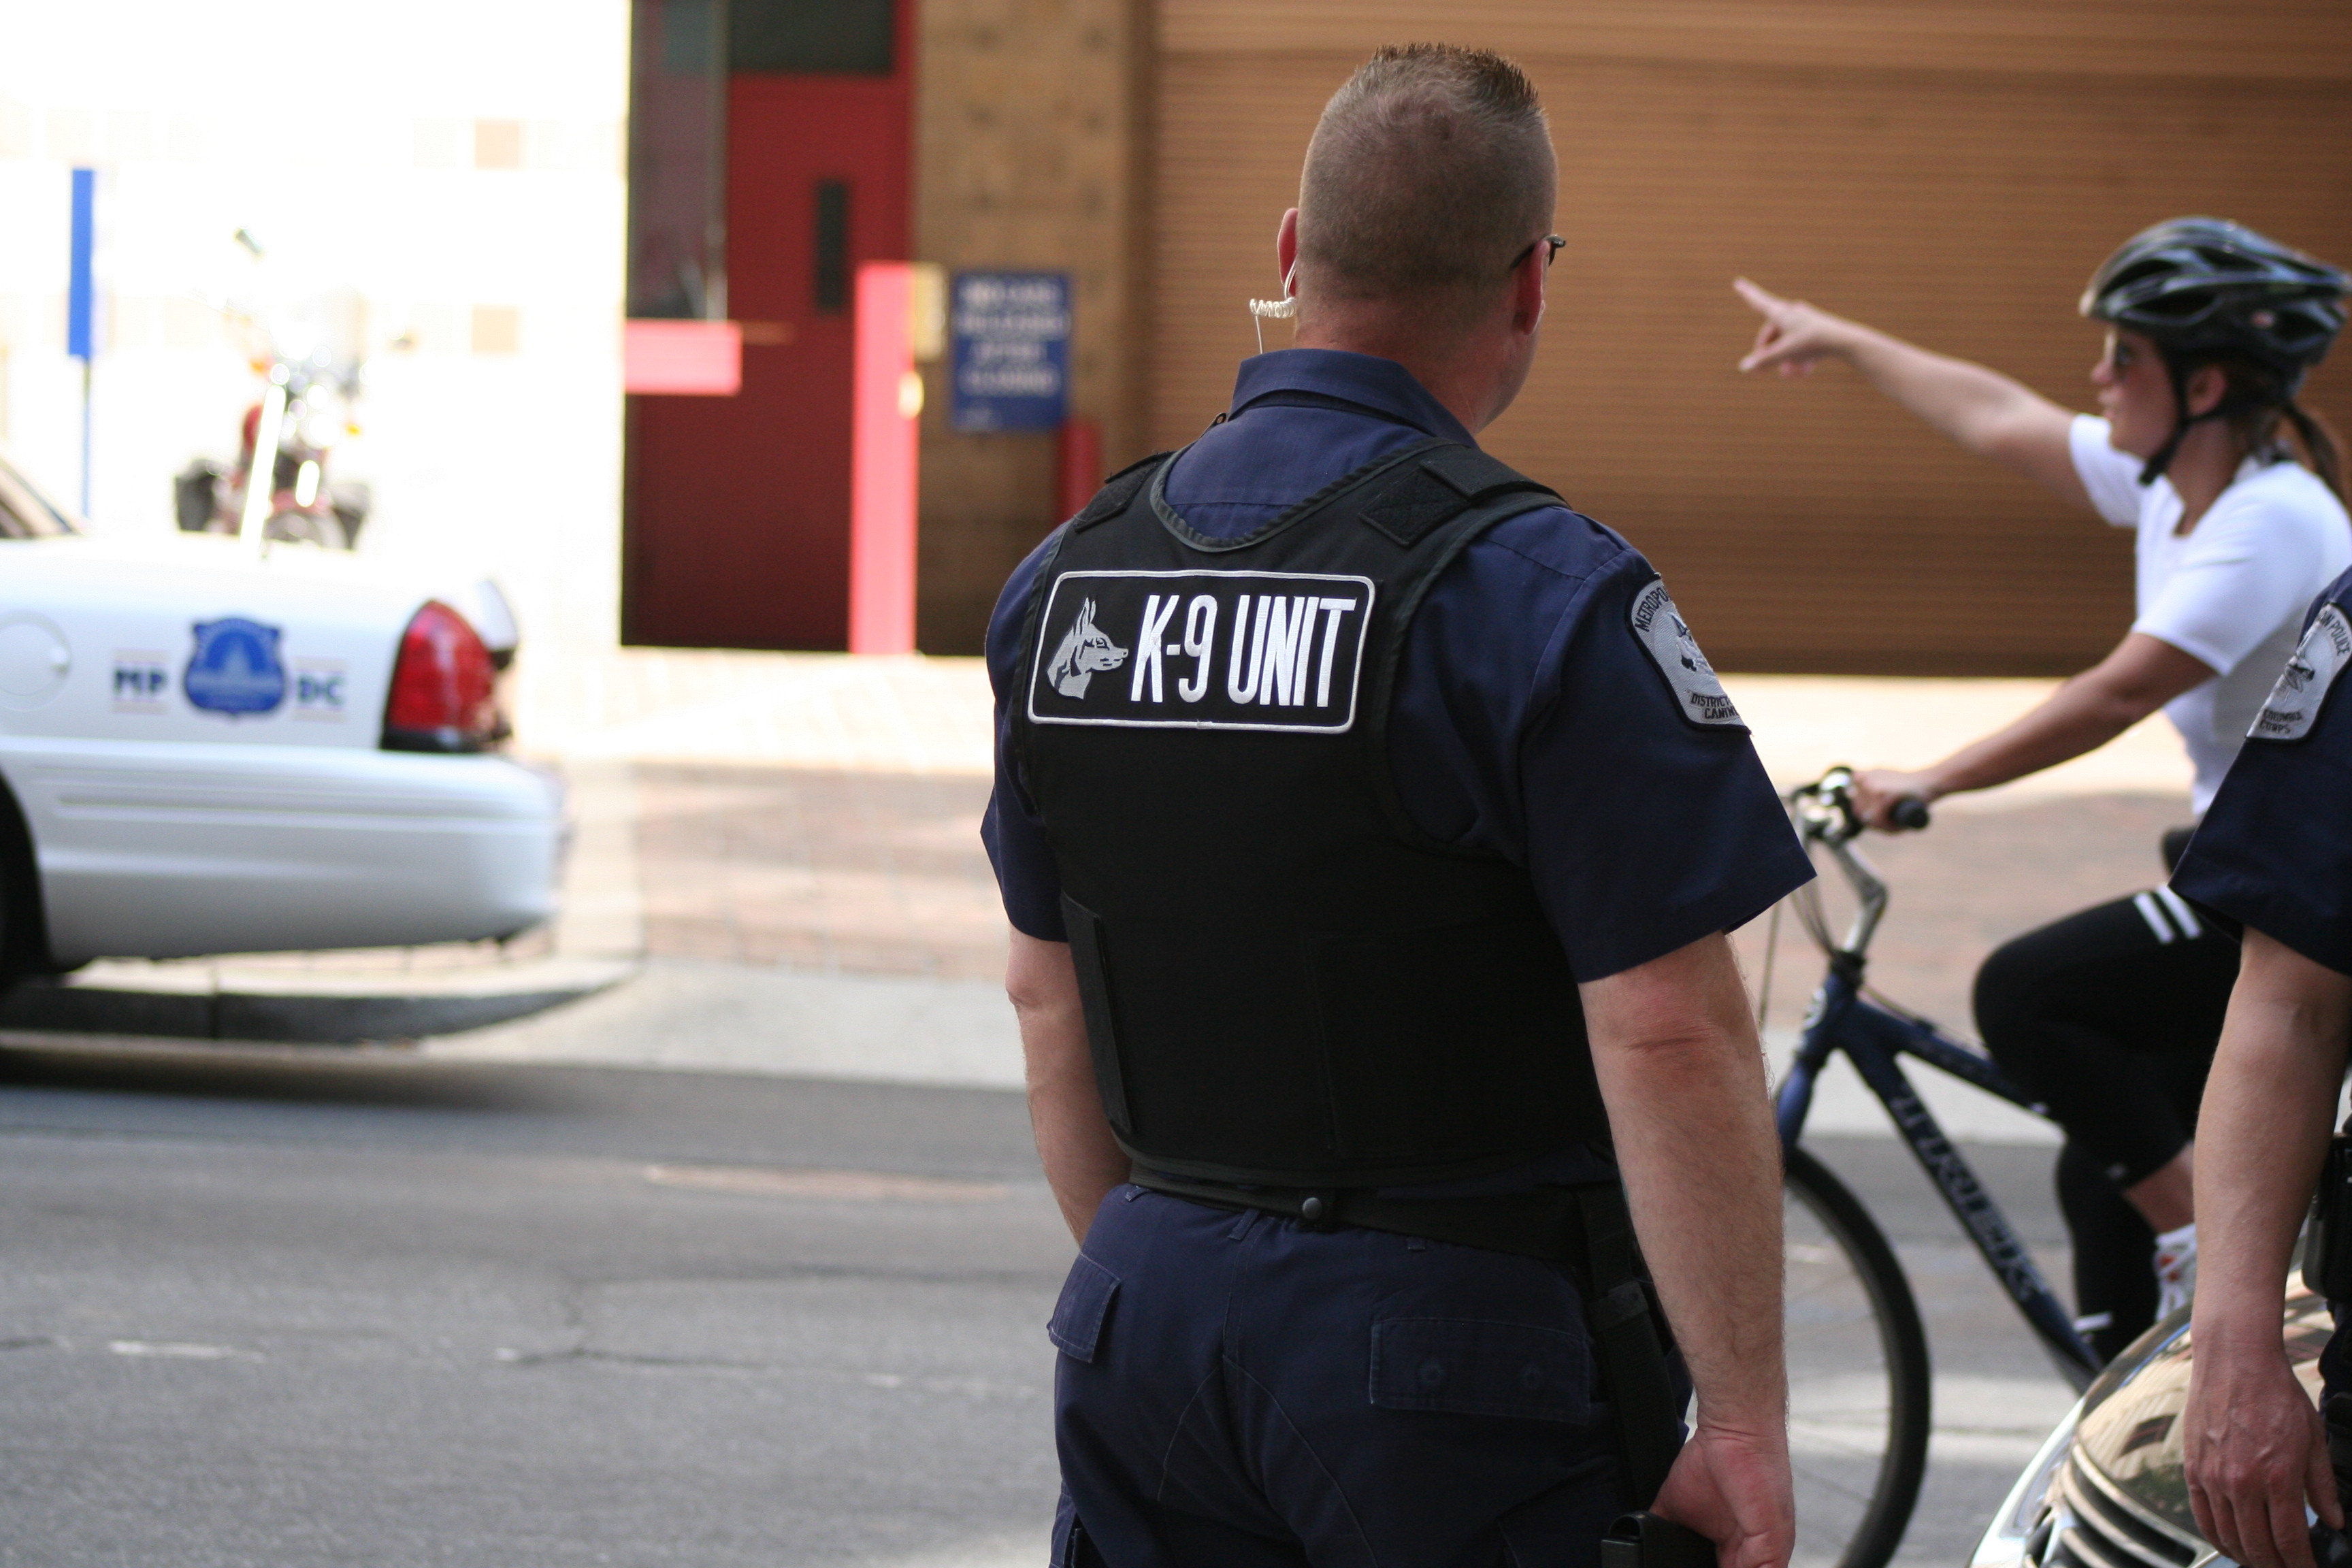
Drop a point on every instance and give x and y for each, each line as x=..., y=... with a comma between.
x=359, y=1308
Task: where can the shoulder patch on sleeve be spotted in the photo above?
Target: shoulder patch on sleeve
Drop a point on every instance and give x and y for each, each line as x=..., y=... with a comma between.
x=2317, y=660
x=1660, y=630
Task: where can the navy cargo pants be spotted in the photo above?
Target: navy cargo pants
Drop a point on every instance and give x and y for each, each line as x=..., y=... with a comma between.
x=1236, y=1390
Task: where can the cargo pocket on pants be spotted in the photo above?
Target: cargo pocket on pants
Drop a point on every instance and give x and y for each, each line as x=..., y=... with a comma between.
x=1472, y=1367
x=1076, y=1325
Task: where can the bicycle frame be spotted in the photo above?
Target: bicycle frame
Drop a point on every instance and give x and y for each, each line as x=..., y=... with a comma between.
x=1874, y=1038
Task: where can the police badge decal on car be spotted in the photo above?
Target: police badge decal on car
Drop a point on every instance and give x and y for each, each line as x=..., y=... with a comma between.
x=2319, y=658
x=1202, y=651
x=236, y=668
x=1668, y=642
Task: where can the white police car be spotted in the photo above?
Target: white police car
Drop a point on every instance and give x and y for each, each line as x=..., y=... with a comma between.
x=2109, y=1488
x=206, y=749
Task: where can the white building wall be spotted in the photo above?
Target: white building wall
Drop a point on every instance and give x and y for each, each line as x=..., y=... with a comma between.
x=453, y=171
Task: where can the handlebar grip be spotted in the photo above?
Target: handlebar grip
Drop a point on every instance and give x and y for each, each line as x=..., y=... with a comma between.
x=1909, y=813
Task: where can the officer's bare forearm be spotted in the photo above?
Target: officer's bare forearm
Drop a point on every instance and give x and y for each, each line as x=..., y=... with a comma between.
x=1683, y=1076
x=1082, y=1160
x=2261, y=1134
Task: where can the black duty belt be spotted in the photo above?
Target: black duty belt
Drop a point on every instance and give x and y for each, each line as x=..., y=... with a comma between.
x=1585, y=1228
x=1545, y=1223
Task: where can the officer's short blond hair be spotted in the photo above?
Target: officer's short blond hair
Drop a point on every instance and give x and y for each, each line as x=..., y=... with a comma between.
x=1429, y=172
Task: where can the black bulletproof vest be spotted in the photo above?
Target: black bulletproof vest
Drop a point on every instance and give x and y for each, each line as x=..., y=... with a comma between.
x=1285, y=981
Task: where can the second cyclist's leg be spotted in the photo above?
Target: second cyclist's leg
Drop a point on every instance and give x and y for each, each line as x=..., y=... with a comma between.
x=2114, y=1289
x=2109, y=1016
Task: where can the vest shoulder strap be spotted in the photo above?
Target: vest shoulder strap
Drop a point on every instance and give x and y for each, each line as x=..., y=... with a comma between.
x=1119, y=492
x=1444, y=482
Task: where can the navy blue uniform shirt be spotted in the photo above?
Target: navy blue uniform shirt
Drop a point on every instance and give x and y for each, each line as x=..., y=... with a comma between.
x=2274, y=851
x=1529, y=719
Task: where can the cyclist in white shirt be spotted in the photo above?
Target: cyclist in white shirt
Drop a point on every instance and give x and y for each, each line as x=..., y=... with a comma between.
x=2110, y=1016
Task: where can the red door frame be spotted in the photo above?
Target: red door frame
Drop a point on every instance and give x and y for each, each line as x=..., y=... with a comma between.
x=738, y=508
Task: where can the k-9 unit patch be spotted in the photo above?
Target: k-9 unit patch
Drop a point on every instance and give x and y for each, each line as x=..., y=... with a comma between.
x=2293, y=705
x=1668, y=642
x=1202, y=651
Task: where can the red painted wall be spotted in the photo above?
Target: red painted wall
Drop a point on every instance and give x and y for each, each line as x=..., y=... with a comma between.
x=737, y=508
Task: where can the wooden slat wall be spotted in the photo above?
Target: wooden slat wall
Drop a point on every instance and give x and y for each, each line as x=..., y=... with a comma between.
x=1953, y=175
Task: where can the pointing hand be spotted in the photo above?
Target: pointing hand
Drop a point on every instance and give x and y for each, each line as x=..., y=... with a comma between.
x=1794, y=336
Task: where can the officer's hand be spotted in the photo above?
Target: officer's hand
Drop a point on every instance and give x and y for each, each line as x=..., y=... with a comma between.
x=2256, y=1449
x=1733, y=1487
x=1877, y=791
x=1794, y=336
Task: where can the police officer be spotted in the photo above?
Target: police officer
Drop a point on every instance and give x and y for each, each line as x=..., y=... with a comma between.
x=1369, y=824
x=2274, y=856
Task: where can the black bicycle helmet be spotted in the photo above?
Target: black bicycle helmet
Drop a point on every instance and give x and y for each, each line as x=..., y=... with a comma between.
x=2204, y=288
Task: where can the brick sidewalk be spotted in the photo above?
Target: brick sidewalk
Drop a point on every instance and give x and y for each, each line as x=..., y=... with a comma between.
x=825, y=869
x=883, y=873
x=1968, y=884
x=822, y=812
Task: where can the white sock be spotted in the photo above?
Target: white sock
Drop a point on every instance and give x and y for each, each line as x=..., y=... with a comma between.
x=2176, y=1269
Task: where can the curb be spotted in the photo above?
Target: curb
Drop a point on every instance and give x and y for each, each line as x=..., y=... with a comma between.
x=317, y=1007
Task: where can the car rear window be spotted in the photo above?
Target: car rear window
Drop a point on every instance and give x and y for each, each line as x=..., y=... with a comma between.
x=24, y=512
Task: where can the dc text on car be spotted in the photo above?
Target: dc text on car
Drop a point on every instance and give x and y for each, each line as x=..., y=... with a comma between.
x=208, y=746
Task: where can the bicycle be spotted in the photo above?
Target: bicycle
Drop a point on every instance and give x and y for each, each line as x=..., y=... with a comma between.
x=1858, y=1432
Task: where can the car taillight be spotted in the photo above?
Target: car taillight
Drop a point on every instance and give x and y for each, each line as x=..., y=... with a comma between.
x=443, y=688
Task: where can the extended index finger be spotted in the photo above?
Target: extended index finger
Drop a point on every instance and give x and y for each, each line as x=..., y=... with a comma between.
x=1762, y=301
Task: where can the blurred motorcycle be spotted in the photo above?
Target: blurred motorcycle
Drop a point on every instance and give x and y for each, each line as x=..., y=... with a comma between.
x=306, y=410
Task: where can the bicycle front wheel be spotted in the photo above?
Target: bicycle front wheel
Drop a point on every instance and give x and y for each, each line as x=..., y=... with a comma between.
x=1858, y=1377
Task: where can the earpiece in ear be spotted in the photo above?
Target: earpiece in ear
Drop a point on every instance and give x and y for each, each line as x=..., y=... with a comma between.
x=1280, y=309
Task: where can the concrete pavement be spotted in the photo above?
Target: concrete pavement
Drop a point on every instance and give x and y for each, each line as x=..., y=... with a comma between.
x=291, y=1306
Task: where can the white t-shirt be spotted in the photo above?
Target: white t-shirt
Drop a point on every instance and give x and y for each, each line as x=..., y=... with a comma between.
x=2231, y=591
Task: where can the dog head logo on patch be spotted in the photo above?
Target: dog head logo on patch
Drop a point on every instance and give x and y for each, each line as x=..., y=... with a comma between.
x=1086, y=652
x=236, y=668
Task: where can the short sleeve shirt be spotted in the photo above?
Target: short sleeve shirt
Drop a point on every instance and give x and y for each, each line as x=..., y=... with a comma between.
x=2275, y=850
x=2231, y=592
x=1529, y=719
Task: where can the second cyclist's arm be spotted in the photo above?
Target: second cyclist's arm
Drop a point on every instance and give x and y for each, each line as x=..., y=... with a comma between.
x=2139, y=677
x=1981, y=409
x=1986, y=412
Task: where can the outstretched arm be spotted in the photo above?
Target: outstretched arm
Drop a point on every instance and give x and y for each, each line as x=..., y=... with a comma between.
x=1682, y=1073
x=1082, y=1160
x=1981, y=409
x=2253, y=1443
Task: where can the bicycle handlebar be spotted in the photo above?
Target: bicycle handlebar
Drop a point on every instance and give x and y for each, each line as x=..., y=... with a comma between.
x=1825, y=814
x=1910, y=812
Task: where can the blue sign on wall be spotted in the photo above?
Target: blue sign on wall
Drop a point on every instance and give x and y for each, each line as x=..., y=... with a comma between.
x=1012, y=349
